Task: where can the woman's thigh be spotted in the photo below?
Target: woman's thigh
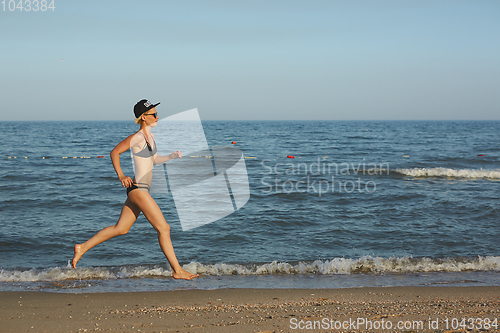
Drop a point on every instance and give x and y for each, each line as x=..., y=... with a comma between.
x=129, y=214
x=149, y=208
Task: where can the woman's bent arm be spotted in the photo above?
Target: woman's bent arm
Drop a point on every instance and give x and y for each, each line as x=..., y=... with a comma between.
x=115, y=159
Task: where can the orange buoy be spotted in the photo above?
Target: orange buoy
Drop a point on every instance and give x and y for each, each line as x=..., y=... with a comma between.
x=480, y=155
x=234, y=142
x=100, y=156
x=290, y=156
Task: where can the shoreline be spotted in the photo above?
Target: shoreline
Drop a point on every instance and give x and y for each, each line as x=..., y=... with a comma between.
x=253, y=310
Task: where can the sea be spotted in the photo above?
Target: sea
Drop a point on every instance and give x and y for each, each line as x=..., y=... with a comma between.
x=333, y=204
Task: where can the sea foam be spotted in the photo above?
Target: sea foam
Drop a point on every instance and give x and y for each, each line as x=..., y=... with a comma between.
x=336, y=266
x=447, y=172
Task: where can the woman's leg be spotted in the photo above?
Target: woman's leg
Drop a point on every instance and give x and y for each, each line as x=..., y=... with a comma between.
x=129, y=214
x=154, y=215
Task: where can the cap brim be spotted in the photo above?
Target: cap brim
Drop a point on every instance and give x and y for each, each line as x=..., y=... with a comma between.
x=152, y=106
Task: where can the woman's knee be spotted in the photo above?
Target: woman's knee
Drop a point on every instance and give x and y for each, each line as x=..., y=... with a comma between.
x=121, y=230
x=164, y=228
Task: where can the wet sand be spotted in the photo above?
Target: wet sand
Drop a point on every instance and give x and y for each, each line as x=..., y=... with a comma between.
x=417, y=309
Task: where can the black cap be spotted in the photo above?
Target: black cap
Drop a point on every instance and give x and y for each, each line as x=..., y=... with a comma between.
x=143, y=106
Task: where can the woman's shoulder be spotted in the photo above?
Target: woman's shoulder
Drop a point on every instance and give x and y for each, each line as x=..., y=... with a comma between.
x=136, y=138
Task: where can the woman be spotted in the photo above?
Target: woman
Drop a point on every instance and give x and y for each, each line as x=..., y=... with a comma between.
x=139, y=200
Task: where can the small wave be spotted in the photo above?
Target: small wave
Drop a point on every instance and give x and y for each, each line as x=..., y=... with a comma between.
x=337, y=266
x=446, y=172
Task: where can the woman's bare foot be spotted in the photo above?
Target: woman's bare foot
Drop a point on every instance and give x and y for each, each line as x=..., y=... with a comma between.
x=78, y=254
x=182, y=274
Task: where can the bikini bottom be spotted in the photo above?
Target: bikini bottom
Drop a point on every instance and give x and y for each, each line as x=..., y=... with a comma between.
x=137, y=186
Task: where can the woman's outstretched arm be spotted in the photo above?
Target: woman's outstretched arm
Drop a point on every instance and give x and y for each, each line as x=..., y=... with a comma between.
x=166, y=158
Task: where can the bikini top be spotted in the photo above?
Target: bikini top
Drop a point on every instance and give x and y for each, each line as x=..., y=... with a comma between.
x=146, y=151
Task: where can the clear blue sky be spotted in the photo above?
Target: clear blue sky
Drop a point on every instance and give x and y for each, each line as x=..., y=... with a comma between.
x=269, y=59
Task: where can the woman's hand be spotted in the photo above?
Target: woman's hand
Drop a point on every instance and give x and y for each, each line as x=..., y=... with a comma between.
x=166, y=158
x=126, y=181
x=176, y=154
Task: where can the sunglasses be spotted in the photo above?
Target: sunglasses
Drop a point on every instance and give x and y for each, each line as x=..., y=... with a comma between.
x=152, y=114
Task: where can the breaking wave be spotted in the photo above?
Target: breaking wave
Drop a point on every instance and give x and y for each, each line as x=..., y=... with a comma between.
x=337, y=266
x=446, y=172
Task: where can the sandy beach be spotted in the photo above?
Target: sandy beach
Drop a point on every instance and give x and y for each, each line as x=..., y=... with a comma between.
x=390, y=309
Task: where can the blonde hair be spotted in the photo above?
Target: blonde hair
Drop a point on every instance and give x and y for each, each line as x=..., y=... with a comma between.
x=138, y=121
